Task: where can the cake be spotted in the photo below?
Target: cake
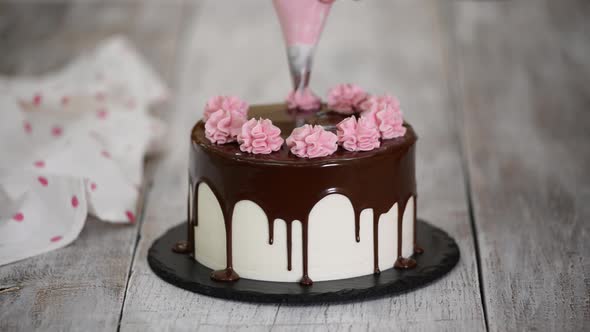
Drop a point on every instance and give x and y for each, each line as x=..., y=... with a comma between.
x=305, y=190
x=278, y=217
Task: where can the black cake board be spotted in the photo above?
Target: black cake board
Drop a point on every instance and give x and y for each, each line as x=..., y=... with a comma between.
x=441, y=254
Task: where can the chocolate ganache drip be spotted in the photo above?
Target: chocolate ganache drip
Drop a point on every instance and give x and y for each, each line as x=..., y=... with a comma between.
x=287, y=187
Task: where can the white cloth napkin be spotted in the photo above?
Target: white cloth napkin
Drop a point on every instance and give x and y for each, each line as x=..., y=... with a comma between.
x=72, y=143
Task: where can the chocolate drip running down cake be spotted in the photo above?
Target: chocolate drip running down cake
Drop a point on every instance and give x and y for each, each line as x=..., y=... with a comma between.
x=279, y=217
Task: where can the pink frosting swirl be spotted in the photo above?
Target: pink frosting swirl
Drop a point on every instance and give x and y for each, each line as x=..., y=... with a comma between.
x=388, y=118
x=346, y=98
x=358, y=135
x=223, y=126
x=312, y=141
x=260, y=137
x=228, y=103
x=378, y=102
x=303, y=100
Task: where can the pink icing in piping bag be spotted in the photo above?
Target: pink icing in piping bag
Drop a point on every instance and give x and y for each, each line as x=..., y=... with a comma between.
x=302, y=22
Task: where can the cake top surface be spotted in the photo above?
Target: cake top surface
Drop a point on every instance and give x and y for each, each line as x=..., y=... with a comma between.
x=287, y=121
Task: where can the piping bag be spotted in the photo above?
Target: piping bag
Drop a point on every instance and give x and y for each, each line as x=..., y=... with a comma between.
x=302, y=22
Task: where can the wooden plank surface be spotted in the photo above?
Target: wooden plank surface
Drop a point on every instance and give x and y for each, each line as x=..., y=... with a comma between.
x=383, y=46
x=82, y=286
x=525, y=87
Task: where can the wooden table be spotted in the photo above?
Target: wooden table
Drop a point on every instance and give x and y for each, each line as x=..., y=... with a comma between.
x=499, y=93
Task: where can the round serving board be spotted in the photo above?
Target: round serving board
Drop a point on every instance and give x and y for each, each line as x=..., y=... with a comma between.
x=441, y=254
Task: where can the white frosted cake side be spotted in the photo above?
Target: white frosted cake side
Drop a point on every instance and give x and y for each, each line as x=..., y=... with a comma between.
x=334, y=252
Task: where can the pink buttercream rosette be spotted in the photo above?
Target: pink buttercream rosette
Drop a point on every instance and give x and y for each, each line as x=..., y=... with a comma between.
x=223, y=126
x=358, y=135
x=346, y=98
x=304, y=100
x=385, y=113
x=373, y=103
x=229, y=103
x=260, y=137
x=310, y=141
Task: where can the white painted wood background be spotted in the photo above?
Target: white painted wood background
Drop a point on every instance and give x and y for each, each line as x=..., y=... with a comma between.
x=498, y=91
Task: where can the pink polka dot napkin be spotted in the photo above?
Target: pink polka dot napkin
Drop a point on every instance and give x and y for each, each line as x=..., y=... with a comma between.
x=72, y=143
